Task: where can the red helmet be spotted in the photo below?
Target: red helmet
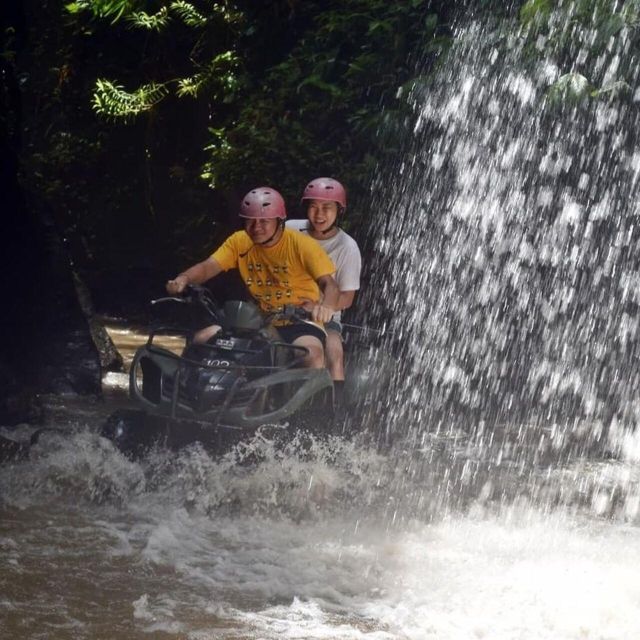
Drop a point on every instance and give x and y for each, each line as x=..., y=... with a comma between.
x=263, y=202
x=326, y=189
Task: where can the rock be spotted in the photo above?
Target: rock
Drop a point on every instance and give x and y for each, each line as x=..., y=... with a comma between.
x=46, y=344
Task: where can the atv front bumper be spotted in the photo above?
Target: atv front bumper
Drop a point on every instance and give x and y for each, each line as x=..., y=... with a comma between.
x=243, y=406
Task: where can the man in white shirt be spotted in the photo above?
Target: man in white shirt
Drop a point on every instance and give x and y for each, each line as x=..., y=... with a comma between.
x=326, y=200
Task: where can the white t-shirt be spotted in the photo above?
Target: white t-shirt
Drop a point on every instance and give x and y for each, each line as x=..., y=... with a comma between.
x=345, y=254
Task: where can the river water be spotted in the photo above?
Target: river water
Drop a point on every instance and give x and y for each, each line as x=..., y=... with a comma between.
x=492, y=493
x=466, y=537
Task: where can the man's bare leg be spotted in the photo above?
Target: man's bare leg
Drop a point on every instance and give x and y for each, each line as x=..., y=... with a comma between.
x=200, y=337
x=315, y=357
x=335, y=355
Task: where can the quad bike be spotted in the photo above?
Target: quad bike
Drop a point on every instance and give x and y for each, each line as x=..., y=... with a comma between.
x=219, y=392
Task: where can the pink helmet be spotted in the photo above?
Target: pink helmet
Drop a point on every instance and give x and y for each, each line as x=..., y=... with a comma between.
x=263, y=202
x=326, y=189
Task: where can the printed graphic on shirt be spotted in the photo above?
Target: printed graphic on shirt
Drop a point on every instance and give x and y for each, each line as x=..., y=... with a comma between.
x=271, y=290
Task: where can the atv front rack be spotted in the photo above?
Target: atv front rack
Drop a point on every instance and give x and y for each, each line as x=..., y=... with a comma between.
x=155, y=383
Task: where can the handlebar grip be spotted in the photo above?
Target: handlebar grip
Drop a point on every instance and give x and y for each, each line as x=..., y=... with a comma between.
x=294, y=312
x=192, y=289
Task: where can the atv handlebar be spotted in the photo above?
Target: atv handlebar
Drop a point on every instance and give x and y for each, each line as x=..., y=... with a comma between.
x=167, y=299
x=194, y=294
x=197, y=294
x=293, y=312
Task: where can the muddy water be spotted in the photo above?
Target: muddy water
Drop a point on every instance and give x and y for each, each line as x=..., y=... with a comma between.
x=464, y=538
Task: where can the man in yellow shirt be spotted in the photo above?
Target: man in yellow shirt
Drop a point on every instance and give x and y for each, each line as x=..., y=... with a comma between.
x=279, y=266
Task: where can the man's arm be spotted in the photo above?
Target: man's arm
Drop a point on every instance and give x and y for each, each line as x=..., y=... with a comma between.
x=348, y=274
x=197, y=274
x=322, y=312
x=345, y=300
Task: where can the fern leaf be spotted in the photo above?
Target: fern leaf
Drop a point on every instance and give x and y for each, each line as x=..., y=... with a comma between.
x=188, y=13
x=152, y=22
x=190, y=86
x=113, y=9
x=218, y=74
x=112, y=101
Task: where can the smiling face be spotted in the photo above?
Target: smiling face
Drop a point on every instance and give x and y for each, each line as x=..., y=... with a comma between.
x=322, y=215
x=262, y=229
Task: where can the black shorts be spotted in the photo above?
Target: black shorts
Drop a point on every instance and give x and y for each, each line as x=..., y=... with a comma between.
x=290, y=332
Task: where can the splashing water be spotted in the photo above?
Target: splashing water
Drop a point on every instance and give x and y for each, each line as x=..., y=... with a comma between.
x=511, y=238
x=296, y=542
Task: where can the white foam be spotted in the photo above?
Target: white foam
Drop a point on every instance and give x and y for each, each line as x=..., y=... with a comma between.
x=521, y=574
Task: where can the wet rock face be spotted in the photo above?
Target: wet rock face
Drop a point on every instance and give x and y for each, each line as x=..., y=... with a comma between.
x=49, y=346
x=46, y=344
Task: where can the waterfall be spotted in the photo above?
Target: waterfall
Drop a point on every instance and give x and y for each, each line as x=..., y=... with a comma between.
x=508, y=229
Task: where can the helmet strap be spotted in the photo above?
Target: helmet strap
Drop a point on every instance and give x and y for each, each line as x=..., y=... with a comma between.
x=335, y=222
x=275, y=233
x=259, y=244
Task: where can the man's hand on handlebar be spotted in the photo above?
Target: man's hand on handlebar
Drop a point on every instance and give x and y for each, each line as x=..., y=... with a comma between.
x=176, y=286
x=319, y=312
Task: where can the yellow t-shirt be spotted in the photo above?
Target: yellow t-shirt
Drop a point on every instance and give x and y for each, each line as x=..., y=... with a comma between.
x=283, y=274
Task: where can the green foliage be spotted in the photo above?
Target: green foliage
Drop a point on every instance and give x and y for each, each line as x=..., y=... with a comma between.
x=220, y=149
x=279, y=112
x=112, y=101
x=113, y=9
x=613, y=91
x=575, y=34
x=321, y=107
x=571, y=87
x=535, y=11
x=631, y=13
x=152, y=22
x=195, y=94
x=133, y=12
x=188, y=13
x=218, y=79
x=212, y=73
